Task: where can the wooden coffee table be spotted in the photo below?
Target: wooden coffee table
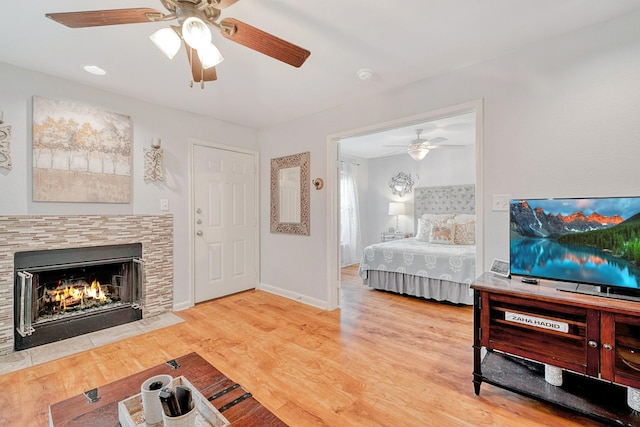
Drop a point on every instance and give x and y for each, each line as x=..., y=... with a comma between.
x=235, y=403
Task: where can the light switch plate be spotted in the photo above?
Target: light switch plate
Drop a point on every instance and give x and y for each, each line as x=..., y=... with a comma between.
x=500, y=202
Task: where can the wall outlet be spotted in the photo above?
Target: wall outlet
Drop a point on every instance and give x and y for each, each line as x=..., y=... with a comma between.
x=500, y=202
x=164, y=204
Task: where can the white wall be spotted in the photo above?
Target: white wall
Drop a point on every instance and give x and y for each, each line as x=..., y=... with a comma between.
x=560, y=119
x=18, y=86
x=439, y=167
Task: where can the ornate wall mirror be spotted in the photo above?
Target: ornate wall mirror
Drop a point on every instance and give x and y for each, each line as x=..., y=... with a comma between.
x=290, y=194
x=401, y=184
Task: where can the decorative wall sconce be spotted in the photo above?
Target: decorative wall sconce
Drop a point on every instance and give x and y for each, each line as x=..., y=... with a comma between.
x=401, y=184
x=318, y=183
x=5, y=144
x=154, y=162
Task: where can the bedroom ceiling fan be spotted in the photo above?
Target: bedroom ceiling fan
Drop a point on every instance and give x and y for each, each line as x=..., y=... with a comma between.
x=419, y=147
x=194, y=18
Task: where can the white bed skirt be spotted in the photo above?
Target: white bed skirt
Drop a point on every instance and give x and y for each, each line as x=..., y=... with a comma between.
x=440, y=290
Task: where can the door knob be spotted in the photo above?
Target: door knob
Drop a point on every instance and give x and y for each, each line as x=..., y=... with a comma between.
x=607, y=346
x=199, y=232
x=593, y=344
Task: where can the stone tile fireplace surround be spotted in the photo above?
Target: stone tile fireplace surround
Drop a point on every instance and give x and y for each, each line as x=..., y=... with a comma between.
x=38, y=232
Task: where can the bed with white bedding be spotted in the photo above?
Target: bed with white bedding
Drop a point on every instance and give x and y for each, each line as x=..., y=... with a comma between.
x=439, y=263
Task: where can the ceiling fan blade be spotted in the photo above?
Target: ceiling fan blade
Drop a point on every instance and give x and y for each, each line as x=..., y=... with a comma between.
x=436, y=140
x=437, y=147
x=199, y=74
x=98, y=18
x=263, y=42
x=221, y=4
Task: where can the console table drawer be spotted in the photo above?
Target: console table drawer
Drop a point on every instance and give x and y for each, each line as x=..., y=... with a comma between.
x=551, y=333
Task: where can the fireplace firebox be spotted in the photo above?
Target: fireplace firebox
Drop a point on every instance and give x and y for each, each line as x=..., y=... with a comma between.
x=63, y=293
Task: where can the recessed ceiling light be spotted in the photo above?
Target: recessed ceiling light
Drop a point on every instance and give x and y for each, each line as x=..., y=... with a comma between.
x=365, y=74
x=94, y=69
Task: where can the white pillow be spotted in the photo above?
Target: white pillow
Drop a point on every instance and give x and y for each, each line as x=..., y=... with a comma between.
x=437, y=217
x=443, y=234
x=424, y=228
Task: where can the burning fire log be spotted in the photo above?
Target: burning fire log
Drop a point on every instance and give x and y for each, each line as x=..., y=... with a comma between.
x=80, y=293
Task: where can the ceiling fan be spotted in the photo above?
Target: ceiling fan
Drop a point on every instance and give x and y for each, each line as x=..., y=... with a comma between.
x=419, y=147
x=194, y=18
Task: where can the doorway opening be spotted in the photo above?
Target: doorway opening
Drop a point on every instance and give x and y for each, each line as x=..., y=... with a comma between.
x=368, y=158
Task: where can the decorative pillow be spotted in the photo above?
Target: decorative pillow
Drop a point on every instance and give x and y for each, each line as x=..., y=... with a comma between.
x=443, y=233
x=465, y=233
x=426, y=221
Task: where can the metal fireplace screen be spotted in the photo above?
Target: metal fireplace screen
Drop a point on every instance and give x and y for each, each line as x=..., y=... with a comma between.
x=69, y=292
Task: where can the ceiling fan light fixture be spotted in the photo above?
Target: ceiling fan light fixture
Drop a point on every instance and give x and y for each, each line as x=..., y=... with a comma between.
x=417, y=153
x=209, y=56
x=167, y=40
x=195, y=32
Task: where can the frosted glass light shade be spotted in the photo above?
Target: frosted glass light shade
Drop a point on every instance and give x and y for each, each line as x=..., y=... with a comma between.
x=209, y=56
x=196, y=33
x=417, y=153
x=167, y=41
x=396, y=208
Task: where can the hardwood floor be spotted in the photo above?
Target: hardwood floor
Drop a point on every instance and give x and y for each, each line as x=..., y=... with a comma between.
x=382, y=360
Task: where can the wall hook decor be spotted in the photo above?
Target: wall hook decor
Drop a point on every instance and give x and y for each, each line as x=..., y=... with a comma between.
x=154, y=162
x=319, y=183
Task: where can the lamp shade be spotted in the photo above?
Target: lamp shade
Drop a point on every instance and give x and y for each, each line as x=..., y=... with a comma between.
x=396, y=208
x=167, y=41
x=209, y=56
x=195, y=32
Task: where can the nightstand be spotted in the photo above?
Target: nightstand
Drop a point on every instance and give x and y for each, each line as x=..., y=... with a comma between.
x=385, y=237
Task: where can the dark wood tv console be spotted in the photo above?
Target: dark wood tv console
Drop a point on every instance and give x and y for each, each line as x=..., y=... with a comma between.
x=595, y=340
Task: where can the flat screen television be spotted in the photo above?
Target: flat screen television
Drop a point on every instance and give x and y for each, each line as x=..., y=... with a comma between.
x=592, y=245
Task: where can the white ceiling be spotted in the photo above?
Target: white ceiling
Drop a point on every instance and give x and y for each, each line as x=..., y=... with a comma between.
x=457, y=130
x=402, y=41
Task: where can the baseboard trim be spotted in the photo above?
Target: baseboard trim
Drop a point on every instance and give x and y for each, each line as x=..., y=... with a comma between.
x=182, y=306
x=293, y=296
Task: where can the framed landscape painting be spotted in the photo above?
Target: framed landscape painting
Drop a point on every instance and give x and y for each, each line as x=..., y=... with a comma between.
x=80, y=153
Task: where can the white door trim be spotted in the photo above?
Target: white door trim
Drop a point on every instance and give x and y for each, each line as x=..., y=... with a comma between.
x=192, y=143
x=332, y=185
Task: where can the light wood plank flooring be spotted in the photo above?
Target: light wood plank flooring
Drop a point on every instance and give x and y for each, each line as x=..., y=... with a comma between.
x=382, y=360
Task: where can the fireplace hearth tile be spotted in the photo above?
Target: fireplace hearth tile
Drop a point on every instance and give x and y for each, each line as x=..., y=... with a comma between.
x=114, y=334
x=158, y=322
x=15, y=361
x=48, y=352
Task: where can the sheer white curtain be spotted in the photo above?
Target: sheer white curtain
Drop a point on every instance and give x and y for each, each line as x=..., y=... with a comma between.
x=349, y=214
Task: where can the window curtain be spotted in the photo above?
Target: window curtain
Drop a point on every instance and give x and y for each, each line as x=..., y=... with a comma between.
x=349, y=214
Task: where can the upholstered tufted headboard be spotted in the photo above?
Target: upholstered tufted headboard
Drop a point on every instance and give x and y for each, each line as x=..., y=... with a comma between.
x=445, y=199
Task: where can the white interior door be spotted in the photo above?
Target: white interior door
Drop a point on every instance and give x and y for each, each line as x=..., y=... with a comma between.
x=225, y=227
